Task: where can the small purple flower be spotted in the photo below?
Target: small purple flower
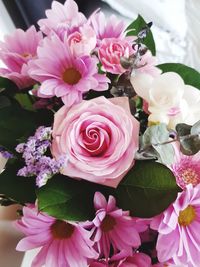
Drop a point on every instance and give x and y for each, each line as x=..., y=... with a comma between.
x=37, y=163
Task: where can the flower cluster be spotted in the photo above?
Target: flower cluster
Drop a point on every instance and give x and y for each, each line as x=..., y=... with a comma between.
x=122, y=149
x=37, y=163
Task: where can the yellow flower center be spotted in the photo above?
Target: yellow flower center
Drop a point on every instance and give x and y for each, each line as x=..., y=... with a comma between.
x=108, y=223
x=71, y=76
x=187, y=216
x=190, y=176
x=62, y=230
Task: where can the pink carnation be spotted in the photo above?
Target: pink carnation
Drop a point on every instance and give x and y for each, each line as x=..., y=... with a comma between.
x=99, y=137
x=17, y=50
x=60, y=16
x=63, y=74
x=62, y=243
x=113, y=227
x=178, y=229
x=111, y=51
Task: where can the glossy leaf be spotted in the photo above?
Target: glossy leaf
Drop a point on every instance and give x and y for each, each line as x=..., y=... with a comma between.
x=147, y=190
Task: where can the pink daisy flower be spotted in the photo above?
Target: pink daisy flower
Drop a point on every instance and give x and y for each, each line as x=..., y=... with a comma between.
x=178, y=229
x=186, y=169
x=113, y=228
x=17, y=50
x=106, y=28
x=63, y=74
x=62, y=244
x=62, y=16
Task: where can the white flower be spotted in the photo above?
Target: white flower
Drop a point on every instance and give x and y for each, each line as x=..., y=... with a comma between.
x=169, y=100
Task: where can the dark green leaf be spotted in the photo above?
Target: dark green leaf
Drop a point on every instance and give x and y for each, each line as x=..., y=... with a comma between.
x=147, y=190
x=65, y=198
x=135, y=27
x=188, y=74
x=183, y=129
x=15, y=122
x=190, y=145
x=4, y=101
x=20, y=189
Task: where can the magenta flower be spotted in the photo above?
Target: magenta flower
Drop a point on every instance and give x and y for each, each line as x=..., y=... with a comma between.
x=106, y=28
x=62, y=244
x=63, y=74
x=62, y=16
x=113, y=227
x=178, y=229
x=186, y=168
x=17, y=50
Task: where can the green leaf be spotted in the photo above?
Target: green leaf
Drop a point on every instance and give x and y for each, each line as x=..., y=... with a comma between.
x=20, y=189
x=188, y=74
x=183, y=129
x=147, y=190
x=157, y=136
x=190, y=145
x=4, y=101
x=66, y=198
x=15, y=123
x=6, y=83
x=135, y=27
x=25, y=101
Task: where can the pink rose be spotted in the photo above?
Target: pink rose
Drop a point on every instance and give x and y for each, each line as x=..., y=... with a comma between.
x=99, y=137
x=111, y=51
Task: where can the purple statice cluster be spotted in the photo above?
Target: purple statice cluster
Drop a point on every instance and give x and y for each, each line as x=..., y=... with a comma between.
x=37, y=162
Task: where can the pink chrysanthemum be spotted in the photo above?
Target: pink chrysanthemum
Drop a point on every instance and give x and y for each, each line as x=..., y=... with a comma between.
x=178, y=227
x=113, y=228
x=63, y=74
x=186, y=168
x=106, y=28
x=62, y=244
x=62, y=16
x=17, y=50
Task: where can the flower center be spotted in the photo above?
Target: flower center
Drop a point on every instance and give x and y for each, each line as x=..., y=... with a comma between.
x=71, y=76
x=108, y=223
x=187, y=216
x=190, y=176
x=62, y=230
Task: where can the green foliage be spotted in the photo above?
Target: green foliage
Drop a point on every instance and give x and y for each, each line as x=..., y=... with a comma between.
x=136, y=27
x=147, y=190
x=20, y=189
x=154, y=142
x=189, y=138
x=188, y=74
x=66, y=198
x=15, y=123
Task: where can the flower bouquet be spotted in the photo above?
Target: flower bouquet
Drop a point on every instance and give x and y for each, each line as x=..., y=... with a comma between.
x=99, y=144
